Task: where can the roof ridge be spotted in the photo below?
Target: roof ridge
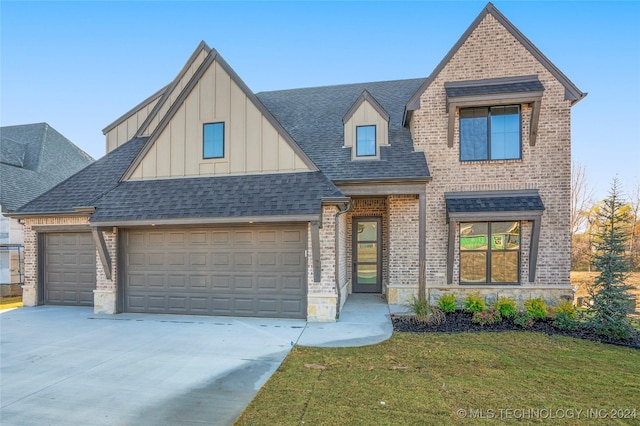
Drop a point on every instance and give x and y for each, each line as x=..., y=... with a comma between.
x=341, y=85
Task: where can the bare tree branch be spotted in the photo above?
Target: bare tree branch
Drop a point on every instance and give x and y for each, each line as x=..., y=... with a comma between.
x=581, y=196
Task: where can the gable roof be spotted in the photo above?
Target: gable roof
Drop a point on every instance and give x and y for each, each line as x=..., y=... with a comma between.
x=365, y=96
x=34, y=158
x=314, y=118
x=572, y=92
x=135, y=109
x=86, y=186
x=202, y=46
x=212, y=57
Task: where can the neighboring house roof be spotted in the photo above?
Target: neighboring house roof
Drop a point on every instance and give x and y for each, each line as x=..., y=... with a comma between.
x=86, y=186
x=33, y=159
x=314, y=118
x=572, y=92
x=282, y=194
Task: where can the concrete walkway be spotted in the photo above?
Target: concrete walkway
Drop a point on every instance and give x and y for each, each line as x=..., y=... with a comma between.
x=67, y=366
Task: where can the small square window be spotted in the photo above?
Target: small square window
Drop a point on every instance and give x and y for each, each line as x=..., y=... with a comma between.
x=490, y=133
x=213, y=140
x=365, y=141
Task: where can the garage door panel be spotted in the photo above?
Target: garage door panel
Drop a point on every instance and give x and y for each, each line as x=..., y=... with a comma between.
x=243, y=271
x=221, y=282
x=156, y=259
x=69, y=268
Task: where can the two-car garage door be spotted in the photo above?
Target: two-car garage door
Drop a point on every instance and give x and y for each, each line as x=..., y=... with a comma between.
x=240, y=271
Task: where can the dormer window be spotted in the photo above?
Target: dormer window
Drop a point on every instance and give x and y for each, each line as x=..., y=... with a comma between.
x=365, y=141
x=213, y=140
x=366, y=128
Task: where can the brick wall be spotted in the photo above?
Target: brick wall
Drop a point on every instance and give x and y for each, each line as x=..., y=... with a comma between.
x=403, y=248
x=322, y=297
x=492, y=52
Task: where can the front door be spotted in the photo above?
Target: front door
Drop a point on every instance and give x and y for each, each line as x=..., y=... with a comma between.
x=367, y=250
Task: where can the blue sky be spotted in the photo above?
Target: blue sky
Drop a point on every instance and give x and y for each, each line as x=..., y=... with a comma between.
x=80, y=65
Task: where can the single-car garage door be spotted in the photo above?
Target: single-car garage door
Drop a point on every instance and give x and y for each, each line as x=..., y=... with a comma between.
x=69, y=268
x=240, y=271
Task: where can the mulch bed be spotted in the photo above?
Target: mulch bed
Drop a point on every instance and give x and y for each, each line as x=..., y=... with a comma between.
x=460, y=322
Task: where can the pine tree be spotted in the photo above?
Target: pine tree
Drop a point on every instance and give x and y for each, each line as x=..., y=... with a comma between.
x=609, y=292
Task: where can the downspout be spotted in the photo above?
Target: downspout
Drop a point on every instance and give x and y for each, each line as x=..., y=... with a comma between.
x=341, y=211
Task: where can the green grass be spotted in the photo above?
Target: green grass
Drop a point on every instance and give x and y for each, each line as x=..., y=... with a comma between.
x=426, y=379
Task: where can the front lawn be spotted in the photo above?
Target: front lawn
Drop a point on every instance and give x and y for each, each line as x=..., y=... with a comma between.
x=10, y=302
x=439, y=379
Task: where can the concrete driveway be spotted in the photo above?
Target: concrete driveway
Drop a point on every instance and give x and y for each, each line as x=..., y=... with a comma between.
x=67, y=366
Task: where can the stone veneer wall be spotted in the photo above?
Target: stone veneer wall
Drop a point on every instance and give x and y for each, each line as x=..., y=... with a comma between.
x=322, y=297
x=30, y=286
x=492, y=52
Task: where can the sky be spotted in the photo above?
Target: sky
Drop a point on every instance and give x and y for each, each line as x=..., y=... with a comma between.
x=80, y=65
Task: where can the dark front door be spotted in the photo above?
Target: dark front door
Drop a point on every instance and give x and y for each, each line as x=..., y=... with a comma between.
x=367, y=250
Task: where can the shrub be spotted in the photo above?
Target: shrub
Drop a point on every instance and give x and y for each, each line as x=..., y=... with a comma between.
x=425, y=313
x=566, y=317
x=486, y=317
x=474, y=303
x=447, y=302
x=506, y=307
x=523, y=319
x=536, y=308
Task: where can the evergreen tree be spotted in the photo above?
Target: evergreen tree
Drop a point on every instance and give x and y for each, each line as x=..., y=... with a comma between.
x=609, y=292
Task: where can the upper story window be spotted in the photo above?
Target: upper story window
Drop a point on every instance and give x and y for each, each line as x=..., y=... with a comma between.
x=490, y=133
x=365, y=141
x=213, y=140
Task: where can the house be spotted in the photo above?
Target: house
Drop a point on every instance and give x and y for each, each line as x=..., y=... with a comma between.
x=33, y=159
x=214, y=200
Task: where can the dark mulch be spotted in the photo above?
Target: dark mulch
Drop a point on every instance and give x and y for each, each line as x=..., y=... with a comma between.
x=460, y=322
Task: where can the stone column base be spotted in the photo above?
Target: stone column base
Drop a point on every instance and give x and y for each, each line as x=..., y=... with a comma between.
x=29, y=296
x=321, y=308
x=104, y=301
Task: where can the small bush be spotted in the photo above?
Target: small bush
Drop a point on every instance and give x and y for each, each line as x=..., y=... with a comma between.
x=486, y=317
x=474, y=303
x=536, y=308
x=447, y=302
x=425, y=313
x=506, y=307
x=419, y=307
x=523, y=319
x=565, y=321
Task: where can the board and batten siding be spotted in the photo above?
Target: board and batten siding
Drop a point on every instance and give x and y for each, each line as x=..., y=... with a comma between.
x=164, y=108
x=366, y=115
x=126, y=130
x=251, y=143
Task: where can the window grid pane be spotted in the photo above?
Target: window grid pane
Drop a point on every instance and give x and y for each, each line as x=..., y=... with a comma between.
x=365, y=141
x=213, y=140
x=490, y=133
x=489, y=252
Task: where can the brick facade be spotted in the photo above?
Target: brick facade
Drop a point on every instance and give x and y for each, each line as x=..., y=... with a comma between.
x=493, y=52
x=105, y=294
x=30, y=286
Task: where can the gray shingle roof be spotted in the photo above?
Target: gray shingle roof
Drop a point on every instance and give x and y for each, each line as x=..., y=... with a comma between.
x=528, y=202
x=34, y=158
x=485, y=87
x=219, y=196
x=84, y=187
x=313, y=117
